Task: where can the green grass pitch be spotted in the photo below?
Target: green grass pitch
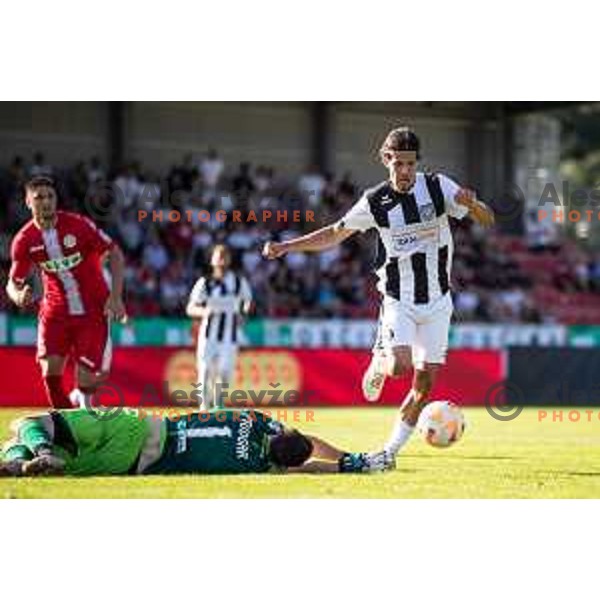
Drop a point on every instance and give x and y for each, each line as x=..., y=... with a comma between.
x=523, y=458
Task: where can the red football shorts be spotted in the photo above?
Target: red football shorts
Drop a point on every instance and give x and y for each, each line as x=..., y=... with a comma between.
x=84, y=338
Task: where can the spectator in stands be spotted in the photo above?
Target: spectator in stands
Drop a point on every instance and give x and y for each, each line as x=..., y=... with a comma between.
x=311, y=185
x=512, y=302
x=211, y=169
x=594, y=273
x=155, y=255
x=174, y=289
x=542, y=234
x=466, y=303
x=263, y=179
x=95, y=171
x=10, y=187
x=243, y=185
x=129, y=186
x=78, y=181
x=39, y=166
x=149, y=191
x=181, y=178
x=16, y=174
x=130, y=233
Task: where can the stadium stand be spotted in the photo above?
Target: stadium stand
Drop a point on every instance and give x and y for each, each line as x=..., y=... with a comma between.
x=497, y=278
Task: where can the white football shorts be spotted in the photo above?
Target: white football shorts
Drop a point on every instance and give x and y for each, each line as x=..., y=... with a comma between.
x=424, y=328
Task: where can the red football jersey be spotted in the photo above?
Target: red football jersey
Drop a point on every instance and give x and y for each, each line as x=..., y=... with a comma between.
x=69, y=259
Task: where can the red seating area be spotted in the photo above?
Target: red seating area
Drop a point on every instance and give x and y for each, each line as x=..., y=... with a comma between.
x=556, y=288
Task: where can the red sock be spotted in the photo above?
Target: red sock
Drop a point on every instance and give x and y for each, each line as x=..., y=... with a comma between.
x=55, y=392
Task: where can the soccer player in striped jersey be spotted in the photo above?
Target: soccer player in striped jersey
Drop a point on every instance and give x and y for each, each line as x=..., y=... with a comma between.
x=410, y=213
x=78, y=303
x=220, y=300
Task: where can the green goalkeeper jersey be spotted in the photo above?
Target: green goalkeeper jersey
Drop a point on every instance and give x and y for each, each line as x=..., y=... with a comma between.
x=222, y=441
x=131, y=442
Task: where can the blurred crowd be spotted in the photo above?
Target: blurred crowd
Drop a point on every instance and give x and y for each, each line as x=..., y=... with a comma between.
x=164, y=259
x=490, y=286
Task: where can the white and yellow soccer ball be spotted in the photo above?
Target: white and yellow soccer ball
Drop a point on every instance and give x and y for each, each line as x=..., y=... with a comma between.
x=441, y=423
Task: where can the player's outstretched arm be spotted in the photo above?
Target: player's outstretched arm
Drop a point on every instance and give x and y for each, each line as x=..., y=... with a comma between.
x=348, y=463
x=323, y=450
x=317, y=241
x=326, y=458
x=316, y=466
x=478, y=211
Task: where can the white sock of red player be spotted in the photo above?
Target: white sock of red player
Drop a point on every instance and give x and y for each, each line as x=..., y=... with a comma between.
x=76, y=398
x=401, y=432
x=81, y=398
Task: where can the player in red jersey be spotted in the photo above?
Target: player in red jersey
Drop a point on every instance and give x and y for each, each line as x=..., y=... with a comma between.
x=78, y=303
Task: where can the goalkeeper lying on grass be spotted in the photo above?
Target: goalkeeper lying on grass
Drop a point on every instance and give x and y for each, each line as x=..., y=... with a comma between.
x=83, y=442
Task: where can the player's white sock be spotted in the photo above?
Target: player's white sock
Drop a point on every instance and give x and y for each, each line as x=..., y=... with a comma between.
x=400, y=435
x=80, y=399
x=77, y=398
x=401, y=432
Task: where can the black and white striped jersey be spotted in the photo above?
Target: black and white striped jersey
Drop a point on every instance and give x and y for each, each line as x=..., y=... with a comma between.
x=415, y=246
x=228, y=298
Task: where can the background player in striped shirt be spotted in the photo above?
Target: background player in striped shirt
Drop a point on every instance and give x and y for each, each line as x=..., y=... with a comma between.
x=410, y=213
x=220, y=300
x=78, y=303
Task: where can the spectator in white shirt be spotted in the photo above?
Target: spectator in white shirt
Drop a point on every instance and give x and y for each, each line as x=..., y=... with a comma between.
x=211, y=168
x=39, y=167
x=155, y=256
x=466, y=303
x=131, y=232
x=311, y=185
x=129, y=186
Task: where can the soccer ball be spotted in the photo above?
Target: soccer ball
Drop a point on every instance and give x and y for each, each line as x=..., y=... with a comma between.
x=441, y=423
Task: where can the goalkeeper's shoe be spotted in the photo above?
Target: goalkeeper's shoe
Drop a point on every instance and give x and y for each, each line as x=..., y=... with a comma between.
x=46, y=464
x=12, y=468
x=374, y=378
